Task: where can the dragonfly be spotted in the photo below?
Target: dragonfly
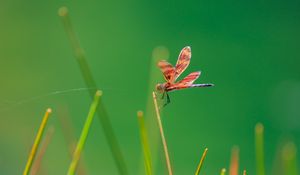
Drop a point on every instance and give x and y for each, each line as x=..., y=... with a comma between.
x=171, y=74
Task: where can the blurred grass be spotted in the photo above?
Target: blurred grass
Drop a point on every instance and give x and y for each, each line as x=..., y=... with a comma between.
x=155, y=76
x=234, y=162
x=38, y=163
x=68, y=133
x=289, y=159
x=90, y=83
x=259, y=149
x=145, y=143
x=223, y=171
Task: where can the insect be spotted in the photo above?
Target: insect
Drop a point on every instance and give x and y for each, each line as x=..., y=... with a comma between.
x=171, y=73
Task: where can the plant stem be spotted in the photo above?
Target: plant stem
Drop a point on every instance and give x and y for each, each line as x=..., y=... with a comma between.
x=36, y=142
x=259, y=149
x=155, y=76
x=84, y=133
x=90, y=82
x=68, y=133
x=145, y=143
x=201, y=161
x=37, y=164
x=162, y=135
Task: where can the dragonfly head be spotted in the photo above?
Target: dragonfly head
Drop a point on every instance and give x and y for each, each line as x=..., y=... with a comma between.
x=160, y=87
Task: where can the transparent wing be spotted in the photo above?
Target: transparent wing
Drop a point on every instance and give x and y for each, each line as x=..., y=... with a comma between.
x=183, y=61
x=167, y=69
x=189, y=80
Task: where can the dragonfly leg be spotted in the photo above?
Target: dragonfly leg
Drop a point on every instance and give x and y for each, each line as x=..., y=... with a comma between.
x=168, y=100
x=163, y=96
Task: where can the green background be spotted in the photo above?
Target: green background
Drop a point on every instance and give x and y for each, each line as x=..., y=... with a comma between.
x=248, y=49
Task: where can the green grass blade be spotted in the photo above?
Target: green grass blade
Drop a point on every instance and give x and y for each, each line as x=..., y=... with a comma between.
x=289, y=158
x=201, y=162
x=145, y=143
x=84, y=133
x=259, y=149
x=68, y=133
x=36, y=142
x=90, y=83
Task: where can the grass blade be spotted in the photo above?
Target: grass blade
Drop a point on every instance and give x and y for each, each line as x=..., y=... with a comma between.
x=145, y=143
x=78, y=51
x=68, y=133
x=84, y=133
x=161, y=130
x=259, y=149
x=289, y=158
x=155, y=76
x=37, y=164
x=201, y=161
x=234, y=163
x=36, y=142
x=90, y=83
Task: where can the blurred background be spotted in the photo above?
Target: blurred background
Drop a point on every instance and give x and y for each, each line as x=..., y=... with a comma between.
x=248, y=49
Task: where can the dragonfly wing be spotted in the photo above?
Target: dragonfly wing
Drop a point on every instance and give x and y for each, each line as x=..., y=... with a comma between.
x=183, y=61
x=189, y=80
x=167, y=69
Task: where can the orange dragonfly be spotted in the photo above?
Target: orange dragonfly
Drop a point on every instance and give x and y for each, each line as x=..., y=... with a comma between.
x=172, y=73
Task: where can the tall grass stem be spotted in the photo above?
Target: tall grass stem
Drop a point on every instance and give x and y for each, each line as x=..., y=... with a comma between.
x=161, y=130
x=84, y=133
x=155, y=76
x=68, y=133
x=201, y=161
x=37, y=142
x=90, y=83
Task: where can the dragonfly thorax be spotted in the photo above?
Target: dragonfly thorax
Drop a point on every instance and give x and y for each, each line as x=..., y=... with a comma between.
x=162, y=87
